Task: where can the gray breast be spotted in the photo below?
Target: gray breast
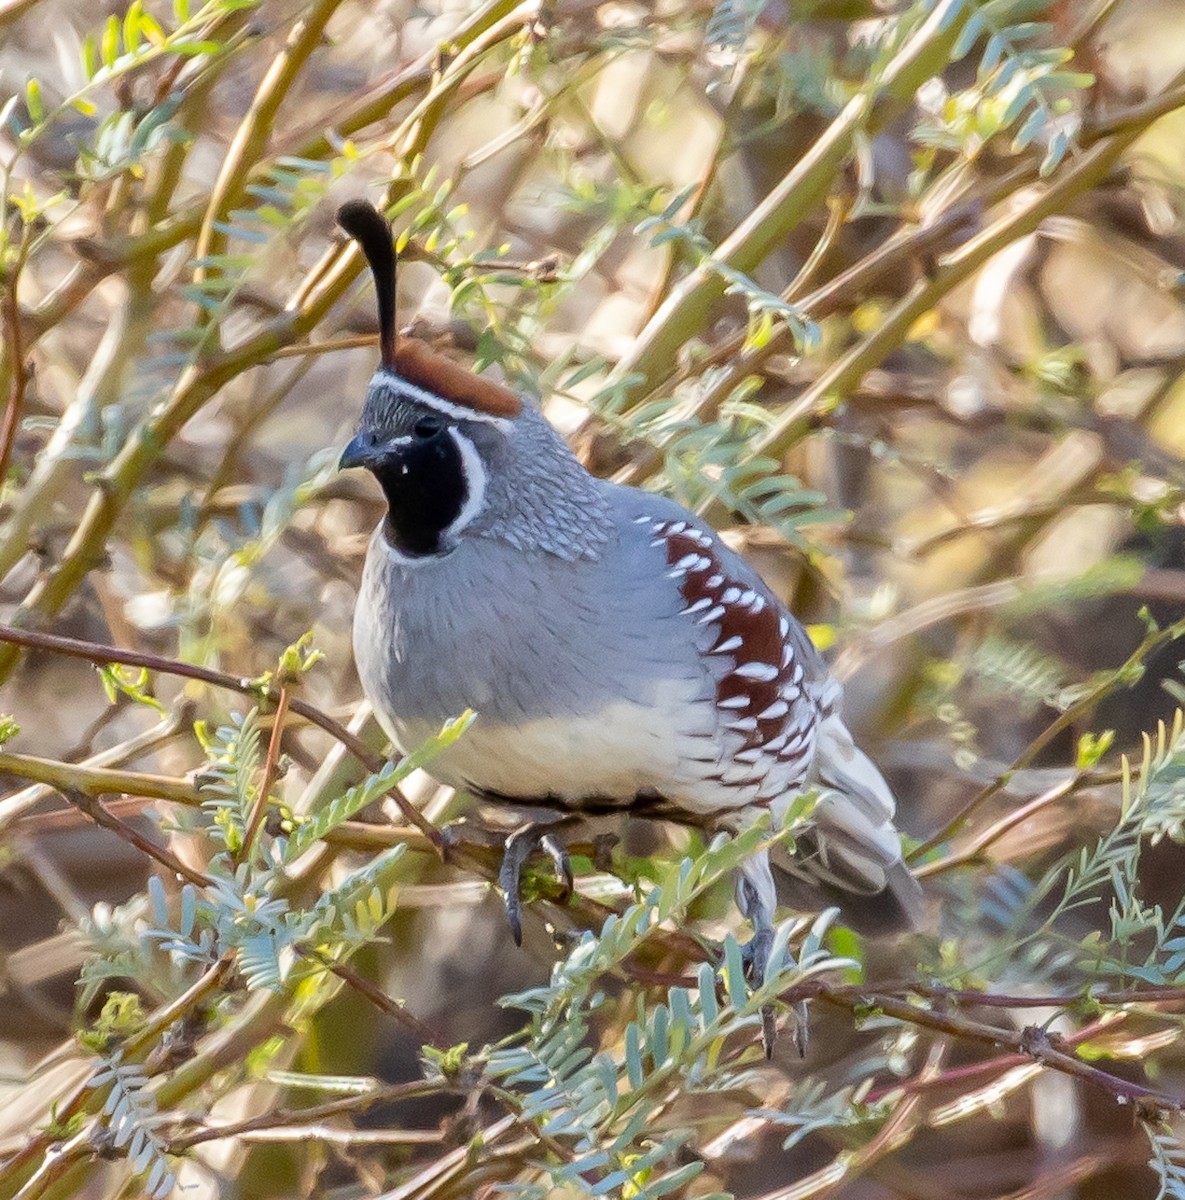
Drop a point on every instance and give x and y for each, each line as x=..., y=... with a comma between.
x=519, y=636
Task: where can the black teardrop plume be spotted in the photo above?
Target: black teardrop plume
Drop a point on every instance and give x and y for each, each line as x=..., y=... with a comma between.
x=369, y=228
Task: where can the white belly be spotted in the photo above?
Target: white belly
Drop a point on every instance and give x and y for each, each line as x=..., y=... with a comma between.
x=626, y=749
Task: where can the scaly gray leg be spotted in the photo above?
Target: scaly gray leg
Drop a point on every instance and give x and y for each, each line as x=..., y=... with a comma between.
x=757, y=903
x=520, y=845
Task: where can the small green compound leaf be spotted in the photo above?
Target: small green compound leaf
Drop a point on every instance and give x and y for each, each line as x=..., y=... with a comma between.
x=371, y=789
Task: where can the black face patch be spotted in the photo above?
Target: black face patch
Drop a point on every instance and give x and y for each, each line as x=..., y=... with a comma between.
x=424, y=482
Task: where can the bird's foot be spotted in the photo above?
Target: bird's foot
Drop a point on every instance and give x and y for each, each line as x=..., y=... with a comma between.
x=755, y=955
x=519, y=847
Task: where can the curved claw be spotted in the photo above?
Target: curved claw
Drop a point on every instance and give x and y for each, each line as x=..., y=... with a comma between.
x=756, y=957
x=562, y=863
x=802, y=1028
x=518, y=849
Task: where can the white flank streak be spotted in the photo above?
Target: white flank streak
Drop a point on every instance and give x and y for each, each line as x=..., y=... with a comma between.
x=714, y=581
x=763, y=672
x=734, y=702
x=731, y=595
x=732, y=643
x=698, y=606
x=745, y=725
x=779, y=708
x=713, y=614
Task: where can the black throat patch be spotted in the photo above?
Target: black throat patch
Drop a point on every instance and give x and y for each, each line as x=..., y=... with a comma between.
x=424, y=482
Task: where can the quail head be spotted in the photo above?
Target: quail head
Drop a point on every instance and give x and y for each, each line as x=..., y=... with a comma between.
x=617, y=653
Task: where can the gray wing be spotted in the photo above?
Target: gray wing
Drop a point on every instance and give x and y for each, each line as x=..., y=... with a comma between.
x=780, y=725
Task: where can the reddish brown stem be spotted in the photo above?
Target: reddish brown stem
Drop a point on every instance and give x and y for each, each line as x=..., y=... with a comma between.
x=1032, y=1043
x=259, y=811
x=16, y=398
x=97, y=813
x=378, y=998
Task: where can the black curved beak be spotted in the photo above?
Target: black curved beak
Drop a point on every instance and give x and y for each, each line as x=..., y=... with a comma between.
x=361, y=452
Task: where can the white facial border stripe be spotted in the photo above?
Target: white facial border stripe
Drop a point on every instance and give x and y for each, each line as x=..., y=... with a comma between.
x=432, y=400
x=475, y=483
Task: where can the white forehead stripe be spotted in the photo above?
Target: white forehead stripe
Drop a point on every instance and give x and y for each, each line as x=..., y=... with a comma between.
x=458, y=411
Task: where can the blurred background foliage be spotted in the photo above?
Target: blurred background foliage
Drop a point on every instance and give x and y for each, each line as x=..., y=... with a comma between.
x=890, y=291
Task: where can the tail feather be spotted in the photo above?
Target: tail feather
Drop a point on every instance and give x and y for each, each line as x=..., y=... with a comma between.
x=853, y=845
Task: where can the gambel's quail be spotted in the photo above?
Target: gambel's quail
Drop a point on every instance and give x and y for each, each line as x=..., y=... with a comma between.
x=618, y=655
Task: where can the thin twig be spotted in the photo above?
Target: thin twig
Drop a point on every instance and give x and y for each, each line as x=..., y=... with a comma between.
x=270, y=767
x=102, y=655
x=16, y=354
x=346, y=1106
x=16, y=806
x=384, y=1003
x=1032, y=1042
x=974, y=852
x=97, y=813
x=172, y=1012
x=254, y=130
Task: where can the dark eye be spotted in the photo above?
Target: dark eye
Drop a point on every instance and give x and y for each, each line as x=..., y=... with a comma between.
x=427, y=427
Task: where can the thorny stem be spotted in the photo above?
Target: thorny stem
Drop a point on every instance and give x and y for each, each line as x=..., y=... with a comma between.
x=204, y=986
